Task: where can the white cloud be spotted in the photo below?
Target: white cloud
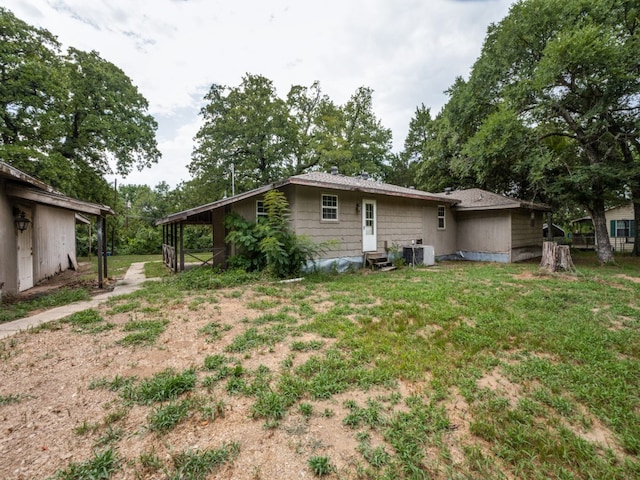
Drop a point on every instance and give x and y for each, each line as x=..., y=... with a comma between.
x=407, y=51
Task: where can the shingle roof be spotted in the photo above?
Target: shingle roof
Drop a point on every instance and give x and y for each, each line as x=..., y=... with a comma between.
x=478, y=199
x=367, y=185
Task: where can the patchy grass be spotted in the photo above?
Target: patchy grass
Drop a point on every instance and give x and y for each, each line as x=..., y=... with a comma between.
x=462, y=370
x=63, y=296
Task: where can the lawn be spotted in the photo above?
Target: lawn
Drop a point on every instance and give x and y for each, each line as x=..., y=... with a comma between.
x=462, y=370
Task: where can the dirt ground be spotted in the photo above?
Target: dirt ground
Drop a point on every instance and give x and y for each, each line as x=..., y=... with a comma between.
x=45, y=383
x=46, y=399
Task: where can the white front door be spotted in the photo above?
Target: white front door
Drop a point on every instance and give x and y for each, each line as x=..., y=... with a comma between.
x=25, y=255
x=369, y=226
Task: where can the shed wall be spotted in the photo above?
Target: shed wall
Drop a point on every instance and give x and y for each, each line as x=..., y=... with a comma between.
x=8, y=254
x=54, y=241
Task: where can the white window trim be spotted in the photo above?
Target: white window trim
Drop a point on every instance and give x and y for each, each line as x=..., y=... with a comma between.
x=260, y=215
x=443, y=217
x=322, y=207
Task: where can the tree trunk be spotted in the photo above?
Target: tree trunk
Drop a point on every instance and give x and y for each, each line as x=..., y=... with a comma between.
x=549, y=227
x=556, y=257
x=603, y=244
x=636, y=216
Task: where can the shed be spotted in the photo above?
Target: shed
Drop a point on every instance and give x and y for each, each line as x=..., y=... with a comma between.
x=37, y=227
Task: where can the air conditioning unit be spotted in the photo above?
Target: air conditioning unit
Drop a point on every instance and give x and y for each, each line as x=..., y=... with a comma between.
x=419, y=255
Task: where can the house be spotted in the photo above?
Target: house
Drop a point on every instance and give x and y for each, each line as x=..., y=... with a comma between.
x=621, y=227
x=37, y=228
x=360, y=215
x=496, y=228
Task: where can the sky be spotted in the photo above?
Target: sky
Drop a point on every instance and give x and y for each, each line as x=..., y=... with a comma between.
x=408, y=51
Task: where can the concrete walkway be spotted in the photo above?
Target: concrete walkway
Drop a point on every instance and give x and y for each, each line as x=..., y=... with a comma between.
x=131, y=282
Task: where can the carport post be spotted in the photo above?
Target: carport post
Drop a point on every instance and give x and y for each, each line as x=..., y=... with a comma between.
x=181, y=247
x=99, y=247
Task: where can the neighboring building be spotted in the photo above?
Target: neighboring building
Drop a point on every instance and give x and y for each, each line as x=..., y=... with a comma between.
x=37, y=230
x=496, y=228
x=360, y=215
x=621, y=227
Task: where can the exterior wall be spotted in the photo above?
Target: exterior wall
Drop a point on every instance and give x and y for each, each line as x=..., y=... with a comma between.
x=526, y=235
x=500, y=235
x=54, y=241
x=343, y=235
x=484, y=235
x=625, y=212
x=8, y=254
x=399, y=221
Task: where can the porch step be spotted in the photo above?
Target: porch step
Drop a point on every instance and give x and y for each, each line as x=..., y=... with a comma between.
x=378, y=260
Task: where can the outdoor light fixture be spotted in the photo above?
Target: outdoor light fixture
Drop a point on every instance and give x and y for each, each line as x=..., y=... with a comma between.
x=21, y=221
x=357, y=208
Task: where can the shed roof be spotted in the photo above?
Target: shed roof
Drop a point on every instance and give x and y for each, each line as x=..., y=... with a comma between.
x=24, y=186
x=478, y=199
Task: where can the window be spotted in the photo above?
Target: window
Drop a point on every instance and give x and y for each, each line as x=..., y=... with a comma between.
x=261, y=212
x=330, y=207
x=623, y=228
x=441, y=217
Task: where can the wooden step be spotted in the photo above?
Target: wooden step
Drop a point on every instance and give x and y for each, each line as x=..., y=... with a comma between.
x=378, y=260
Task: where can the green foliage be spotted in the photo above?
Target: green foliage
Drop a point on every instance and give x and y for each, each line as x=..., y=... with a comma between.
x=206, y=278
x=549, y=113
x=73, y=112
x=320, y=466
x=271, y=244
x=100, y=467
x=165, y=417
x=198, y=465
x=145, y=332
x=87, y=321
x=265, y=138
x=63, y=296
x=163, y=386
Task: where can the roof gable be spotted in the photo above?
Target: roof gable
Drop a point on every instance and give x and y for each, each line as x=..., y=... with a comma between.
x=24, y=186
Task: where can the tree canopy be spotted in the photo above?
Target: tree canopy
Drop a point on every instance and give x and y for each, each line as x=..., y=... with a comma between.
x=267, y=138
x=68, y=118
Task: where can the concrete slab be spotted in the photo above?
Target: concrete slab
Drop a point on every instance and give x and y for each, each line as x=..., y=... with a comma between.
x=132, y=281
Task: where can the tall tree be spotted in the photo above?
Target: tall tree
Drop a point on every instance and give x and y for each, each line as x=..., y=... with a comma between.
x=31, y=86
x=69, y=119
x=368, y=142
x=267, y=138
x=247, y=127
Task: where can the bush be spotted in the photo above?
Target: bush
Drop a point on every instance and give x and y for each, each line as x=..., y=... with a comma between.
x=270, y=244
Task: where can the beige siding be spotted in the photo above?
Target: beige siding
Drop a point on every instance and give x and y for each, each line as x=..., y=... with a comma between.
x=443, y=241
x=624, y=212
x=344, y=235
x=484, y=232
x=54, y=241
x=8, y=255
x=399, y=221
x=524, y=231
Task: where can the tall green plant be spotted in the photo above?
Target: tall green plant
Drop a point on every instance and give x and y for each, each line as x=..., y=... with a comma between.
x=270, y=244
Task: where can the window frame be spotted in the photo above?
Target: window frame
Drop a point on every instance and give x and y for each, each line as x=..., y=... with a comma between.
x=260, y=213
x=329, y=208
x=442, y=219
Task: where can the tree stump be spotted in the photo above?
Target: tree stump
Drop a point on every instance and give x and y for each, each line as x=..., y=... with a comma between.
x=556, y=257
